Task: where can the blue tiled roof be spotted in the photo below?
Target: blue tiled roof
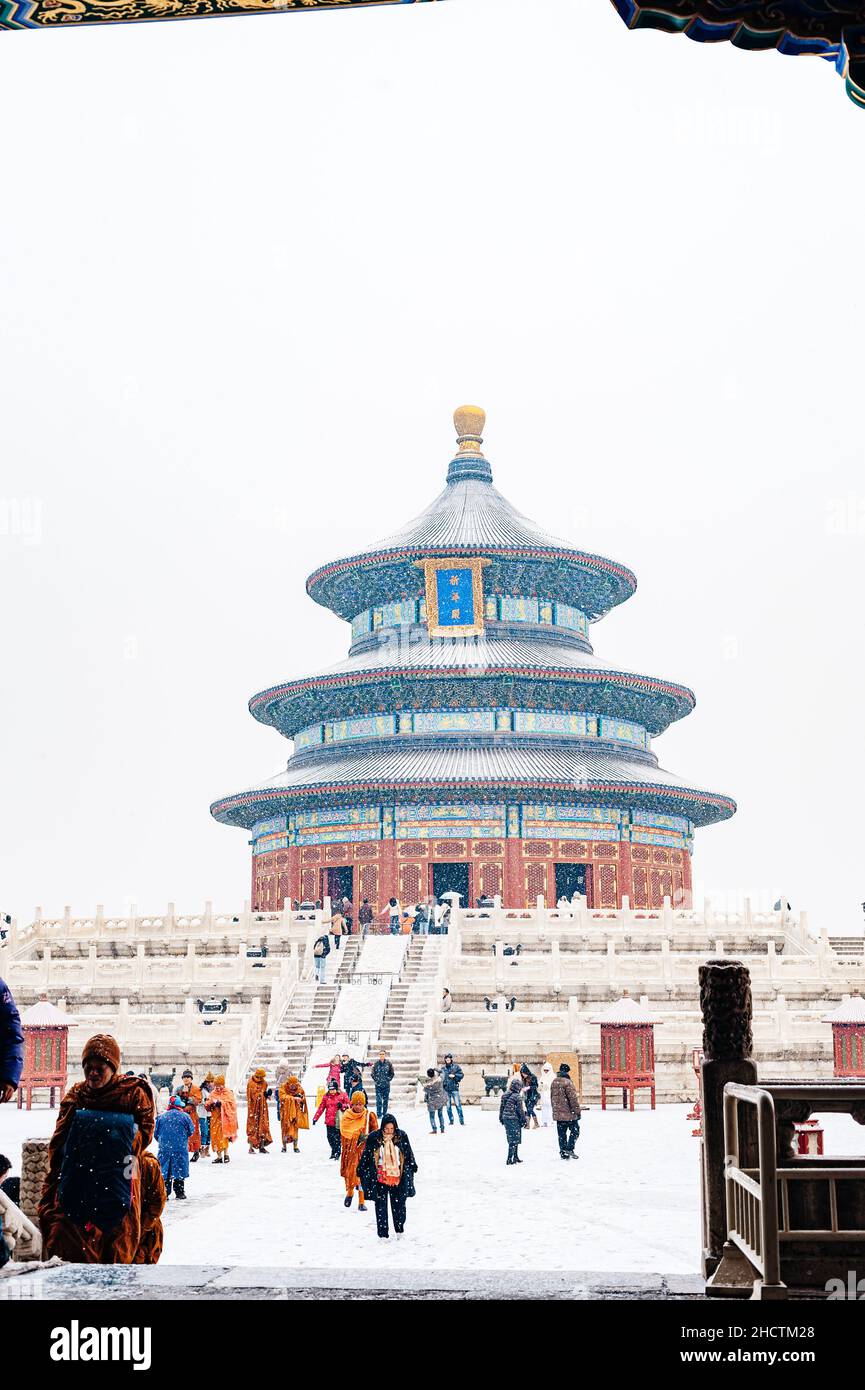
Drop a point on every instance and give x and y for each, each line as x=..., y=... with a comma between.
x=609, y=778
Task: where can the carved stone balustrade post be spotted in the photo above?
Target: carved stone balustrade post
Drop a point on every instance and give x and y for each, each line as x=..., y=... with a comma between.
x=725, y=1003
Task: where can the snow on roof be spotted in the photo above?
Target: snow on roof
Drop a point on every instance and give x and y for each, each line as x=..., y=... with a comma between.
x=623, y=1011
x=43, y=1015
x=850, y=1010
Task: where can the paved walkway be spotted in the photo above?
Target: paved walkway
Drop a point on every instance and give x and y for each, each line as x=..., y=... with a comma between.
x=218, y=1282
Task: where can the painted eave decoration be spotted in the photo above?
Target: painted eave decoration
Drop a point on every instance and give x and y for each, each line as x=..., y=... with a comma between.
x=829, y=29
x=49, y=14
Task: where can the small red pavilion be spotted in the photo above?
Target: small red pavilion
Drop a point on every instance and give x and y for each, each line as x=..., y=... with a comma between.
x=627, y=1050
x=46, y=1032
x=848, y=1035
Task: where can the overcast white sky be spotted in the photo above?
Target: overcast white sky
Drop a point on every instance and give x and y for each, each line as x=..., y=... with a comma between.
x=247, y=270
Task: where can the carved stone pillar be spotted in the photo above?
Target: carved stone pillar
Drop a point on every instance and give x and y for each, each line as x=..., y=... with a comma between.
x=725, y=1002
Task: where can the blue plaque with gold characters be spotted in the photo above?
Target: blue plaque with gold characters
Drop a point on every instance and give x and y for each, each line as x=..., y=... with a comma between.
x=454, y=596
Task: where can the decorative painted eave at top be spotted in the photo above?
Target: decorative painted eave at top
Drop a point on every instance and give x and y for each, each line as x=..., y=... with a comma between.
x=470, y=517
x=830, y=29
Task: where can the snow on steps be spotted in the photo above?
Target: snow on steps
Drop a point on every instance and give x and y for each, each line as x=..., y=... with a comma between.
x=307, y=1017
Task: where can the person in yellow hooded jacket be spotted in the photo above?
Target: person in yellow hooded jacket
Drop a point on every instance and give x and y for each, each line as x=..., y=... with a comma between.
x=355, y=1125
x=293, y=1112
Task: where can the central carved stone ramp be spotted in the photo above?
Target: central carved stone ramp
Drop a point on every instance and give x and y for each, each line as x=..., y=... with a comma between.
x=410, y=999
x=307, y=1017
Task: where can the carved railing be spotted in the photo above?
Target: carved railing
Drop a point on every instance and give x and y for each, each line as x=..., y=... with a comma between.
x=776, y=1212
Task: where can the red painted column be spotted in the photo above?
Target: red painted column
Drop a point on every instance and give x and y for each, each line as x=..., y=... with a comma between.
x=388, y=879
x=687, y=881
x=513, y=890
x=625, y=882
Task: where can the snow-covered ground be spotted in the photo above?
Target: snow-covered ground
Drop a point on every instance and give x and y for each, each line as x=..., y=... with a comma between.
x=631, y=1202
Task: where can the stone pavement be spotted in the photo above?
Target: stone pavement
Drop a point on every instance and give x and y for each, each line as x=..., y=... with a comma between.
x=175, y=1282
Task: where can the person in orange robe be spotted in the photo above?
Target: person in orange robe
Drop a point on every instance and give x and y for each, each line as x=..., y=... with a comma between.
x=257, y=1118
x=355, y=1125
x=190, y=1099
x=152, y=1207
x=222, y=1109
x=293, y=1112
x=103, y=1088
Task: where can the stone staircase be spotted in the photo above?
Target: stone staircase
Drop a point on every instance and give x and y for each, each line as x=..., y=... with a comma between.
x=403, y=1024
x=306, y=1019
x=850, y=950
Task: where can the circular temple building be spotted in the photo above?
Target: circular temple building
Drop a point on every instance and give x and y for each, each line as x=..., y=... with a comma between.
x=472, y=742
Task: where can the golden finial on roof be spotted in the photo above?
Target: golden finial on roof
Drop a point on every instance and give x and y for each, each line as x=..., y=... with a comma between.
x=469, y=421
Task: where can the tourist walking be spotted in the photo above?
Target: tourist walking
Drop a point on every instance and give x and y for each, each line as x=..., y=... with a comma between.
x=565, y=1105
x=355, y=1126
x=293, y=1112
x=332, y=1102
x=320, y=953
x=512, y=1114
x=393, y=912
x=386, y=1172
x=435, y=1098
x=334, y=1070
x=531, y=1094
x=447, y=1002
x=365, y=917
x=222, y=1109
x=203, y=1117
x=352, y=1077
x=337, y=926
x=174, y=1129
x=89, y=1212
x=257, y=1117
x=11, y=1044
x=382, y=1076
x=546, y=1081
x=452, y=1075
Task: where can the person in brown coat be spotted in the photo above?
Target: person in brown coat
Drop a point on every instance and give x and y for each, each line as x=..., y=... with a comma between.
x=152, y=1207
x=293, y=1112
x=565, y=1105
x=257, y=1118
x=102, y=1089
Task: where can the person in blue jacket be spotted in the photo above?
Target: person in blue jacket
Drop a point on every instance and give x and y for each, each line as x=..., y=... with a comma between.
x=173, y=1131
x=11, y=1044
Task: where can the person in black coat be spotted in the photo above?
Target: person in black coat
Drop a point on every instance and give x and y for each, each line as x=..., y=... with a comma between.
x=386, y=1170
x=11, y=1044
x=512, y=1114
x=532, y=1093
x=382, y=1076
x=352, y=1077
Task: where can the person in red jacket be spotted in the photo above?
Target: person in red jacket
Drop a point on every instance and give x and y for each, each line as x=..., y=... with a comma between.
x=332, y=1102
